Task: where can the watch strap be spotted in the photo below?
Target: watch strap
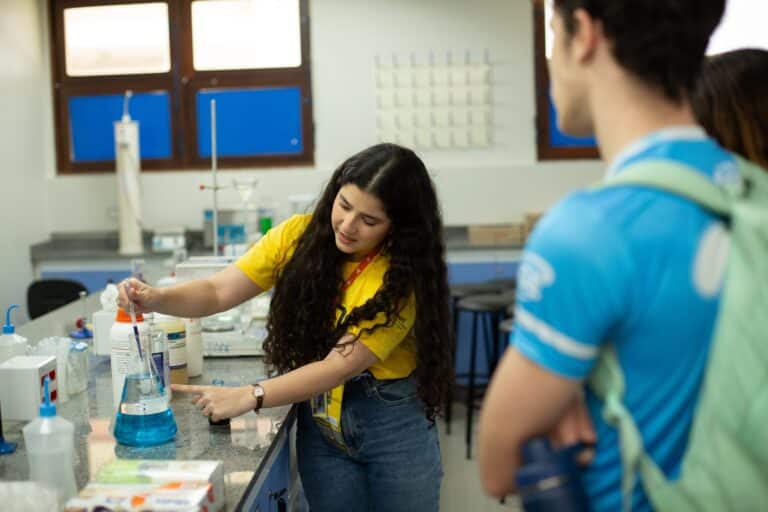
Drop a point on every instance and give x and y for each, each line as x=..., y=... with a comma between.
x=259, y=396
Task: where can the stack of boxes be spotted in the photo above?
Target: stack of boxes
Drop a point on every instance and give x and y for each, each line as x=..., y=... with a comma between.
x=512, y=234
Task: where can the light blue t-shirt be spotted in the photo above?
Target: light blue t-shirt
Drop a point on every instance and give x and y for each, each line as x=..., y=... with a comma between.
x=639, y=268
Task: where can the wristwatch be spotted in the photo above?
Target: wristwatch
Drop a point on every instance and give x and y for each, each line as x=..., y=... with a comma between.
x=258, y=394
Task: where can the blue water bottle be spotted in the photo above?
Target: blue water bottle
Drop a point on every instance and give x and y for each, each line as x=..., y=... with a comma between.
x=550, y=479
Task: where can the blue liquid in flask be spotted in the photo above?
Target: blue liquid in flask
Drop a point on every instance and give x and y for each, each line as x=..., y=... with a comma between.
x=144, y=417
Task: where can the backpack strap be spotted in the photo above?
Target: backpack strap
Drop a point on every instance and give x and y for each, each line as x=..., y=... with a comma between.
x=607, y=382
x=679, y=179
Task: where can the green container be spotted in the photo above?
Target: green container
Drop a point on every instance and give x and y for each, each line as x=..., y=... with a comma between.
x=265, y=224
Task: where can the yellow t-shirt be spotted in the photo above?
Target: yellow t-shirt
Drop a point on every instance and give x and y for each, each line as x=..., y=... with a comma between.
x=395, y=346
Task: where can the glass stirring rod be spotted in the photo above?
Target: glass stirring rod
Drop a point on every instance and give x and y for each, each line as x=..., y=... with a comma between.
x=132, y=312
x=146, y=384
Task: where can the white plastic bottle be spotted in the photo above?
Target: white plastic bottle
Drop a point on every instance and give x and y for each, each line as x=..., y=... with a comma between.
x=103, y=320
x=176, y=334
x=122, y=339
x=11, y=344
x=194, y=347
x=49, y=442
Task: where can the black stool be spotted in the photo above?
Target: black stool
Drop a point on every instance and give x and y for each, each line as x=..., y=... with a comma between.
x=45, y=295
x=458, y=292
x=488, y=310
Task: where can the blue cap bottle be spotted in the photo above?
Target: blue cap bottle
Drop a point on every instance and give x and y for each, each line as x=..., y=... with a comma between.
x=49, y=443
x=550, y=479
x=11, y=343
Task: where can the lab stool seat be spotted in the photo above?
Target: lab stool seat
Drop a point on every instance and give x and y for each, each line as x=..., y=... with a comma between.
x=487, y=310
x=507, y=284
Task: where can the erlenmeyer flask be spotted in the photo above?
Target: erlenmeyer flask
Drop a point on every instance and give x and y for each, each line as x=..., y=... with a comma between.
x=144, y=417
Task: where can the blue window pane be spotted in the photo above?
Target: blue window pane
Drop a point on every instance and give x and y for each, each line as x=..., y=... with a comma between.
x=558, y=139
x=91, y=121
x=251, y=122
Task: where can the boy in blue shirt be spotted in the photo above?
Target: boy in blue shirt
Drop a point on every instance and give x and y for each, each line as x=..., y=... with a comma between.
x=635, y=267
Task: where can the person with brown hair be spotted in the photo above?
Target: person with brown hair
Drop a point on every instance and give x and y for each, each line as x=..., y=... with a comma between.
x=731, y=102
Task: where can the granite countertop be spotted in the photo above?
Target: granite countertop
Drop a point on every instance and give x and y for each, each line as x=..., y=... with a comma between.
x=102, y=245
x=242, y=447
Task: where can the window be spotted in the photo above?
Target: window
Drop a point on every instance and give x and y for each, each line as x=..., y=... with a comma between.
x=251, y=56
x=741, y=27
x=551, y=143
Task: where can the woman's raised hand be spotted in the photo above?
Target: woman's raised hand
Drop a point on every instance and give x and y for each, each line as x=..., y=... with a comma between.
x=145, y=298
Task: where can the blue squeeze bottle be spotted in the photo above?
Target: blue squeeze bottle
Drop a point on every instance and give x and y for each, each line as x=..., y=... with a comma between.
x=49, y=442
x=550, y=479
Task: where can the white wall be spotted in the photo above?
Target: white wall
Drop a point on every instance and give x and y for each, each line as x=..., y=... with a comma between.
x=479, y=186
x=23, y=203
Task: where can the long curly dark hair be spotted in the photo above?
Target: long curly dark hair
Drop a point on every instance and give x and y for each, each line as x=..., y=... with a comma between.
x=302, y=324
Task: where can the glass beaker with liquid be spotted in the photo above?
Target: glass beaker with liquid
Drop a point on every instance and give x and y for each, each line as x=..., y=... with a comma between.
x=144, y=417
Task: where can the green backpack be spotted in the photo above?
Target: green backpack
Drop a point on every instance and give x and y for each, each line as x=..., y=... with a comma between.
x=725, y=466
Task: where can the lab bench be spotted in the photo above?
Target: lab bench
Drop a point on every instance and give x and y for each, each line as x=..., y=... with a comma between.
x=92, y=258
x=256, y=450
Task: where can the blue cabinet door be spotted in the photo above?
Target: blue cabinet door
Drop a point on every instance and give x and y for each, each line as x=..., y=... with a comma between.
x=93, y=280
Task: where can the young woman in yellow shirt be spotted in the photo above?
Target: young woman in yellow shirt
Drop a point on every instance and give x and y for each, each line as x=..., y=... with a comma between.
x=358, y=330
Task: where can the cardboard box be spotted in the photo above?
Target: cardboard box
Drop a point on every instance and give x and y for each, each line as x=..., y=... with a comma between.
x=530, y=219
x=496, y=234
x=167, y=497
x=129, y=485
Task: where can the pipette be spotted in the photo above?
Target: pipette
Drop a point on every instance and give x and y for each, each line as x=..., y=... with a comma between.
x=145, y=384
x=132, y=312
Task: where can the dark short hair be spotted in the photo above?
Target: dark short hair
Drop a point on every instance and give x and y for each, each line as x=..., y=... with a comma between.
x=662, y=42
x=731, y=102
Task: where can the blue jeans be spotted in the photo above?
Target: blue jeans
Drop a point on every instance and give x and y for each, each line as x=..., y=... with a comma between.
x=392, y=461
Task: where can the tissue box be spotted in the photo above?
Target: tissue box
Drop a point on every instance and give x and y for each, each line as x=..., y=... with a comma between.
x=21, y=385
x=157, y=473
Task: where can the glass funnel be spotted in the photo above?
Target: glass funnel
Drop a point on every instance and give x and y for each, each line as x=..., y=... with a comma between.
x=245, y=187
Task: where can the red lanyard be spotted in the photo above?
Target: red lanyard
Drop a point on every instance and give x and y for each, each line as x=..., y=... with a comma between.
x=359, y=269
